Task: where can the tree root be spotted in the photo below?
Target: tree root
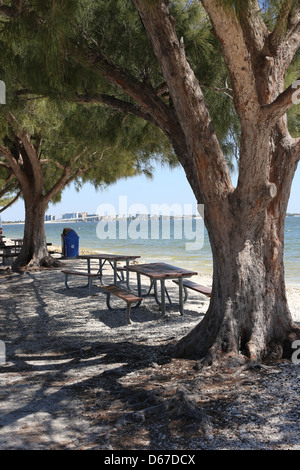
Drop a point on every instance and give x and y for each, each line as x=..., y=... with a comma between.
x=46, y=262
x=180, y=408
x=50, y=262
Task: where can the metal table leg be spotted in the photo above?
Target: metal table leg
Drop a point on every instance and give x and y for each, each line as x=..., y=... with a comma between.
x=163, y=298
x=181, y=296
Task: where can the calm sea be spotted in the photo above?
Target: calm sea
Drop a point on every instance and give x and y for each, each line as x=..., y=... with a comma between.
x=173, y=242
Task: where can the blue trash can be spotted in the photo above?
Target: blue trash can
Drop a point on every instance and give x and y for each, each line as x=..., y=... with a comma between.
x=70, y=243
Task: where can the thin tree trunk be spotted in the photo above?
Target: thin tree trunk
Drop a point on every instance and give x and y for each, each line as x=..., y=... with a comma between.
x=34, y=250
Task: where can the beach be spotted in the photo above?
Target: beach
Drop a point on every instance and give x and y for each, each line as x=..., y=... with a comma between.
x=76, y=376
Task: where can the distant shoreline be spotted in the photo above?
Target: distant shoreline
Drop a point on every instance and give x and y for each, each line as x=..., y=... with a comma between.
x=108, y=219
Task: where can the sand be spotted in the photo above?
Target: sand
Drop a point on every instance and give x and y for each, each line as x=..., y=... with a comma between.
x=77, y=377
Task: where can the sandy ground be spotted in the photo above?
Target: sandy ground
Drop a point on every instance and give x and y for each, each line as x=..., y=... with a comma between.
x=76, y=376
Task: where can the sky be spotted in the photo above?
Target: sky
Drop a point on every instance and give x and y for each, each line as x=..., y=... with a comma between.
x=168, y=189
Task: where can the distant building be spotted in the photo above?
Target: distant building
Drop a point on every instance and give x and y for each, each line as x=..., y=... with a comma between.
x=80, y=216
x=49, y=217
x=93, y=217
x=70, y=215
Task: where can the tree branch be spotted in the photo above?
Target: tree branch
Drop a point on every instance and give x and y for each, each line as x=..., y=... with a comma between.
x=142, y=93
x=4, y=165
x=11, y=202
x=254, y=27
x=119, y=105
x=291, y=96
x=279, y=30
x=30, y=151
x=64, y=179
x=205, y=159
x=290, y=43
x=13, y=164
x=296, y=149
x=238, y=56
x=58, y=186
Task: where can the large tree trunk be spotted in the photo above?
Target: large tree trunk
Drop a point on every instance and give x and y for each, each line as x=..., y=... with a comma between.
x=248, y=313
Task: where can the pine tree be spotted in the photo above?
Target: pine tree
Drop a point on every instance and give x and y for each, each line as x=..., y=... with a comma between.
x=212, y=76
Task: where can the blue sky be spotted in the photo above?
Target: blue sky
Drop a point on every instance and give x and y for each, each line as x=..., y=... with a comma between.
x=167, y=187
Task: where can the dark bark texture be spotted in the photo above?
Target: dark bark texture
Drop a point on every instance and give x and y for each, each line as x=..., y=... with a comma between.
x=248, y=314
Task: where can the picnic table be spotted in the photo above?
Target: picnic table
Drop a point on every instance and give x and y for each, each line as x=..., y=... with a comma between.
x=112, y=259
x=7, y=252
x=17, y=241
x=161, y=272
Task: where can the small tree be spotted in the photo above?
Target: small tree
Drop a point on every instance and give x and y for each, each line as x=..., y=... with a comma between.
x=45, y=150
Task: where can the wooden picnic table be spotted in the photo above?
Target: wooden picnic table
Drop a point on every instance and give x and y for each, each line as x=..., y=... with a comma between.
x=7, y=252
x=8, y=248
x=112, y=259
x=161, y=272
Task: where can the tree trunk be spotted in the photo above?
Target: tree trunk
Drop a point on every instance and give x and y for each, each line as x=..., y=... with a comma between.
x=248, y=314
x=34, y=251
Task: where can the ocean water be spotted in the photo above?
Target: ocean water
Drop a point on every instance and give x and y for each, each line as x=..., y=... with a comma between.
x=171, y=241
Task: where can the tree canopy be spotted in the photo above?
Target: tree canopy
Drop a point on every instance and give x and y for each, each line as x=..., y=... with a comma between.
x=80, y=51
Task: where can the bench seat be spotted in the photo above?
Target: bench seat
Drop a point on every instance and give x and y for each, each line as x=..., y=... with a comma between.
x=196, y=287
x=9, y=255
x=5, y=256
x=123, y=294
x=90, y=277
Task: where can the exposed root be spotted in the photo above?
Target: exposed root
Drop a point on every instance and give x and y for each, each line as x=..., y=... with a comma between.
x=50, y=262
x=46, y=262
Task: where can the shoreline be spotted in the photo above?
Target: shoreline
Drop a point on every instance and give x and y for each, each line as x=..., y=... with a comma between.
x=58, y=221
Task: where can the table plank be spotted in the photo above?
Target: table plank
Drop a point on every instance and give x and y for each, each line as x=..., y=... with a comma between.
x=108, y=256
x=160, y=270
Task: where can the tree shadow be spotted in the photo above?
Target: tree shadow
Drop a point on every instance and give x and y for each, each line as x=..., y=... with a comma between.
x=54, y=394
x=121, y=413
x=109, y=394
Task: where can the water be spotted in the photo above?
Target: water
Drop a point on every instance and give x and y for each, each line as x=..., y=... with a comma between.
x=172, y=250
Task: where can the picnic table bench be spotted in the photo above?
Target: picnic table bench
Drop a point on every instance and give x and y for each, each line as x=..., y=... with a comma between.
x=187, y=284
x=123, y=294
x=5, y=256
x=90, y=277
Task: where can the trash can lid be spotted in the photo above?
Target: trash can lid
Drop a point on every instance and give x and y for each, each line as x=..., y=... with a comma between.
x=69, y=232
